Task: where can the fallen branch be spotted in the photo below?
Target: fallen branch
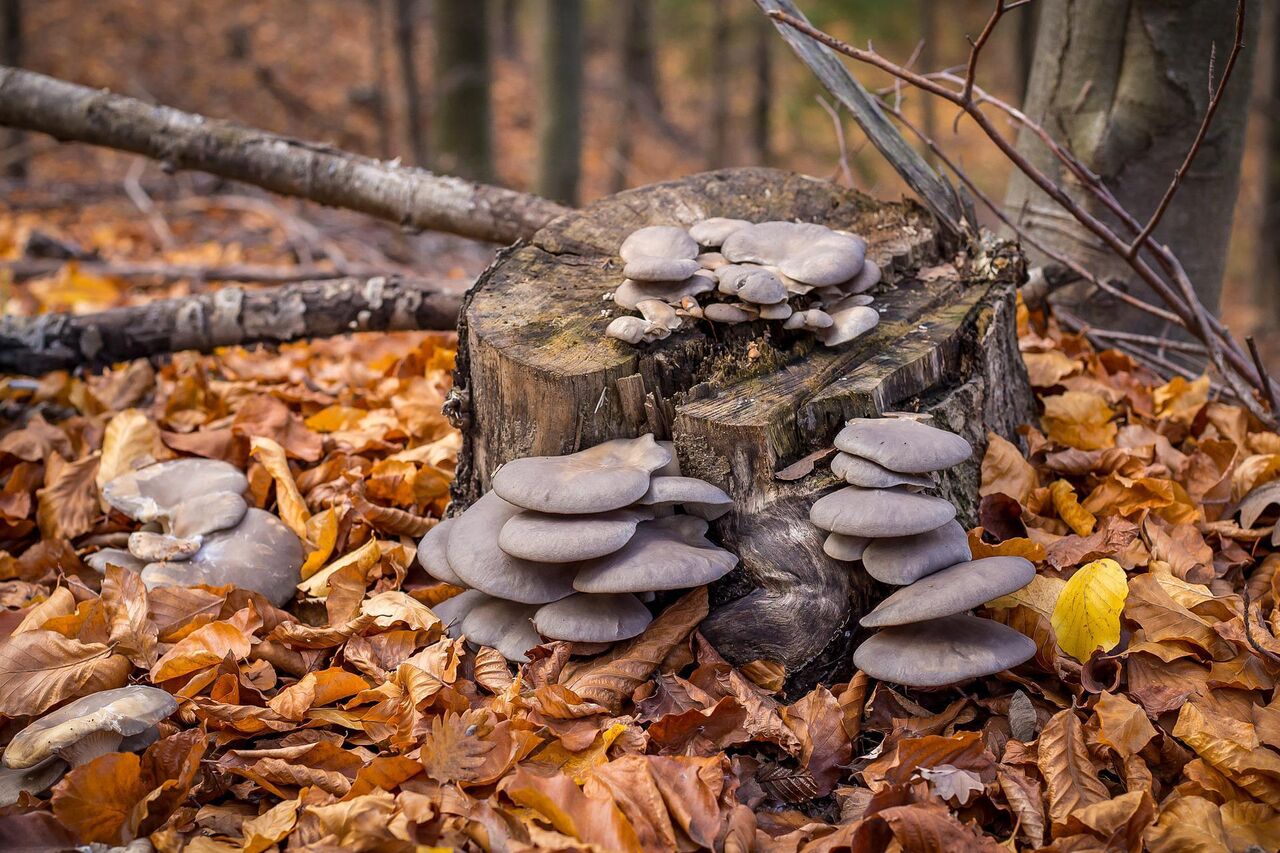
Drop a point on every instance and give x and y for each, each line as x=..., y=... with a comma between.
x=247, y=273
x=413, y=198
x=226, y=317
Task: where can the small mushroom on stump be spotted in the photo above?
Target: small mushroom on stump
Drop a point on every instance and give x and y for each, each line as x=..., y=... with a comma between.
x=910, y=539
x=570, y=547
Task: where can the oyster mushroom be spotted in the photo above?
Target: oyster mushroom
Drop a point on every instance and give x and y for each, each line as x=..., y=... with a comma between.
x=857, y=471
x=698, y=497
x=503, y=625
x=942, y=651
x=666, y=553
x=904, y=445
x=879, y=512
x=867, y=278
x=433, y=553
x=587, y=618
x=906, y=559
x=548, y=538
x=849, y=323
x=659, y=253
x=473, y=553
x=953, y=590
x=809, y=253
x=723, y=312
x=633, y=330
x=812, y=318
x=714, y=231
x=453, y=610
x=607, y=476
x=80, y=731
x=838, y=546
x=631, y=293
x=154, y=492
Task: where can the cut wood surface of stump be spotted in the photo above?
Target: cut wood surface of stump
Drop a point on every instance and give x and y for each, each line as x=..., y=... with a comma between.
x=537, y=376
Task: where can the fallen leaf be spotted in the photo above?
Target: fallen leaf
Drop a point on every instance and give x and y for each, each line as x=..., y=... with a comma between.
x=1079, y=419
x=1086, y=616
x=40, y=669
x=1069, y=773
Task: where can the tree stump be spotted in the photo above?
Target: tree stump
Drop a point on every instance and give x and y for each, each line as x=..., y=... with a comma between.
x=536, y=375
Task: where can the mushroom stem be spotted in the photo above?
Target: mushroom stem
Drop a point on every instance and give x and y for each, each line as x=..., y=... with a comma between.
x=90, y=747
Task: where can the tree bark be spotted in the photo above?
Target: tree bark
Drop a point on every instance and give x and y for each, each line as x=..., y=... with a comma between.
x=228, y=316
x=414, y=198
x=11, y=54
x=536, y=375
x=1125, y=84
x=461, y=123
x=559, y=119
x=410, y=91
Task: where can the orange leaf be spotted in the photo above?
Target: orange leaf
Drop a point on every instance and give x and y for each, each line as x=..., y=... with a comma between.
x=1005, y=471
x=95, y=801
x=1079, y=419
x=68, y=503
x=39, y=669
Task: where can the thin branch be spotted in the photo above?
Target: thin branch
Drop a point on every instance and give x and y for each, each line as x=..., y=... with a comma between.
x=971, y=70
x=839, y=126
x=248, y=273
x=1236, y=47
x=1268, y=385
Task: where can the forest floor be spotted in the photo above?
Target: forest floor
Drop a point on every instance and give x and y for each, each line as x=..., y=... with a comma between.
x=348, y=721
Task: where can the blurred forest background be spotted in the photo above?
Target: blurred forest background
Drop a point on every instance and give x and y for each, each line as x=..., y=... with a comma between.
x=488, y=90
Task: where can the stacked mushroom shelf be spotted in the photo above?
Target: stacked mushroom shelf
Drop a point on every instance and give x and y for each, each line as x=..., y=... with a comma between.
x=909, y=539
x=806, y=275
x=568, y=547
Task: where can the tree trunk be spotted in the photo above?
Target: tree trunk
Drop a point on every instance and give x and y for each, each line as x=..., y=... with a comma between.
x=1028, y=19
x=13, y=142
x=461, y=125
x=762, y=94
x=509, y=28
x=410, y=91
x=719, y=59
x=1266, y=274
x=536, y=375
x=1125, y=84
x=559, y=120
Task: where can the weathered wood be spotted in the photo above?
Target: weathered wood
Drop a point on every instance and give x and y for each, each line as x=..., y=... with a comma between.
x=537, y=376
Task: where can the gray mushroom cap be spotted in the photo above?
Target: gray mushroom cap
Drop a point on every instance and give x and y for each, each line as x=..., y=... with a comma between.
x=698, y=497
x=900, y=444
x=476, y=559
x=905, y=559
x=97, y=723
x=587, y=618
x=453, y=610
x=504, y=625
x=723, y=312
x=762, y=287
x=837, y=546
x=857, y=471
x=633, y=330
x=867, y=278
x=99, y=560
x=776, y=311
x=33, y=780
x=666, y=553
x=879, y=512
x=660, y=241
x=809, y=253
x=204, y=514
x=660, y=269
x=604, y=477
x=952, y=590
x=631, y=293
x=848, y=324
x=433, y=553
x=942, y=651
x=549, y=538
x=153, y=492
x=714, y=231
x=260, y=553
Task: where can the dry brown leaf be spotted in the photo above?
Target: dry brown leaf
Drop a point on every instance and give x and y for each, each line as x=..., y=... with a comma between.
x=292, y=508
x=1123, y=725
x=39, y=669
x=1070, y=775
x=68, y=503
x=559, y=801
x=1079, y=419
x=825, y=748
x=1005, y=471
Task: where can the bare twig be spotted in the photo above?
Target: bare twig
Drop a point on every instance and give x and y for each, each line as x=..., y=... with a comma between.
x=839, y=126
x=1268, y=386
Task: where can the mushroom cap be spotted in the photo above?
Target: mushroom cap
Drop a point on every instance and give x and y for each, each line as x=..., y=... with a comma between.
x=477, y=560
x=809, y=253
x=504, y=625
x=587, y=618
x=453, y=610
x=837, y=546
x=152, y=492
x=631, y=293
x=849, y=302
x=711, y=260
x=905, y=559
x=99, y=560
x=723, y=312
x=151, y=547
x=952, y=590
x=857, y=471
x=628, y=329
x=879, y=512
x=777, y=311
x=548, y=538
x=672, y=468
x=666, y=553
x=604, y=477
x=648, y=268
x=260, y=553
x=942, y=651
x=433, y=553
x=867, y=278
x=659, y=312
x=900, y=444
x=204, y=514
x=33, y=780
x=698, y=497
x=812, y=318
x=126, y=711
x=715, y=230
x=849, y=323
x=660, y=241
x=762, y=288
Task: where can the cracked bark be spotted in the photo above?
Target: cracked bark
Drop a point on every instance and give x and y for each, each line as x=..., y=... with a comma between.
x=414, y=198
x=228, y=316
x=1125, y=84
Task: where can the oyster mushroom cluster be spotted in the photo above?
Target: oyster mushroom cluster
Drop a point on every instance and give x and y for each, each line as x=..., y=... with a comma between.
x=121, y=720
x=570, y=547
x=912, y=540
x=198, y=529
x=804, y=275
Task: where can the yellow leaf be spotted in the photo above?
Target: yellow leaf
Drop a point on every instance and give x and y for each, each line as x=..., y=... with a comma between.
x=74, y=290
x=293, y=509
x=1041, y=595
x=1069, y=510
x=1079, y=419
x=317, y=584
x=130, y=441
x=1180, y=400
x=1086, y=616
x=334, y=418
x=322, y=533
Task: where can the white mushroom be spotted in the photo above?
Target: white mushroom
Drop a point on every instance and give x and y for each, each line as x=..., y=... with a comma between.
x=849, y=323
